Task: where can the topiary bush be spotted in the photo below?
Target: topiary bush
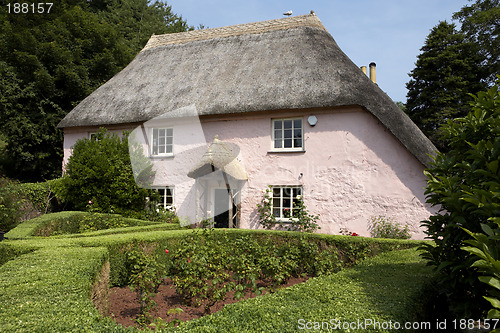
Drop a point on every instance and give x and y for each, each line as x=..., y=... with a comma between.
x=464, y=185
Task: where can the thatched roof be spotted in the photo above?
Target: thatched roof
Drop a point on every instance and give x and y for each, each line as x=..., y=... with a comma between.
x=218, y=157
x=289, y=63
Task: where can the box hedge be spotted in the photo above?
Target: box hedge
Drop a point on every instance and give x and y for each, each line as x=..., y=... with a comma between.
x=46, y=282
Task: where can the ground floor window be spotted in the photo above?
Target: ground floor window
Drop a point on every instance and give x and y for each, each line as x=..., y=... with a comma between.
x=166, y=197
x=284, y=200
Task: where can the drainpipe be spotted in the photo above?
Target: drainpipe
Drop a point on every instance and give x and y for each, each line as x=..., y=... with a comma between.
x=373, y=74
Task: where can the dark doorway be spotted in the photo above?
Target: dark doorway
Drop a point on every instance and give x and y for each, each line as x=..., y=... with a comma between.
x=221, y=209
x=221, y=213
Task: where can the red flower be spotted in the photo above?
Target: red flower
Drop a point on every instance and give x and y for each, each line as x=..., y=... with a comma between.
x=354, y=234
x=189, y=260
x=166, y=251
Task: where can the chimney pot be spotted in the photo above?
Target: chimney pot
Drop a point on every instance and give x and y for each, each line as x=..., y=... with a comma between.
x=373, y=72
x=363, y=69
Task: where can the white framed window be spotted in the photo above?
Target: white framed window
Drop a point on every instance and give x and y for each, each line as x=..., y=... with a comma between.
x=288, y=134
x=93, y=135
x=162, y=141
x=283, y=201
x=166, y=200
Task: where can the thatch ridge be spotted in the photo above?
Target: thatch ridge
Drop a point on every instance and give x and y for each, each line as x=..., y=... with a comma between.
x=234, y=30
x=300, y=67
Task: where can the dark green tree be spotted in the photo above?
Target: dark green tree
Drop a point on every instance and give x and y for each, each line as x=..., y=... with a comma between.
x=446, y=71
x=464, y=185
x=481, y=25
x=50, y=62
x=137, y=20
x=99, y=175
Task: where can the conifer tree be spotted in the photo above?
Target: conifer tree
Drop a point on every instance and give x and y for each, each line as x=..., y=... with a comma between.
x=446, y=72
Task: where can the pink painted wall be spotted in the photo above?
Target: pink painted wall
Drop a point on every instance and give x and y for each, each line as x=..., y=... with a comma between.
x=352, y=168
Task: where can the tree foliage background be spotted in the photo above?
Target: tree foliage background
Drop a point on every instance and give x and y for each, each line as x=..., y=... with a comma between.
x=50, y=62
x=453, y=64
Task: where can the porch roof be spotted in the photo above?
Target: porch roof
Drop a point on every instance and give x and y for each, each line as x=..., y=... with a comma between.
x=218, y=157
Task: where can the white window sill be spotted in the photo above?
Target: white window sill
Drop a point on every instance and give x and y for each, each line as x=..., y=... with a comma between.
x=161, y=156
x=285, y=220
x=291, y=150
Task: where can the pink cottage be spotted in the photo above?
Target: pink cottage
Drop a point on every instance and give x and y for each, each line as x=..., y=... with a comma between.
x=226, y=113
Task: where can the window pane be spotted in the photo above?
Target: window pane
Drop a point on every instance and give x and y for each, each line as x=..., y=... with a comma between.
x=276, y=192
x=168, y=149
x=278, y=134
x=287, y=203
x=277, y=124
x=161, y=132
x=170, y=132
x=288, y=134
x=276, y=212
x=169, y=198
x=297, y=123
x=161, y=150
x=296, y=192
x=276, y=203
x=287, y=124
x=162, y=141
x=169, y=140
x=277, y=143
x=288, y=143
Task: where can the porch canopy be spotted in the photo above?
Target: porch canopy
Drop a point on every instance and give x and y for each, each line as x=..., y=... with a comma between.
x=219, y=157
x=219, y=165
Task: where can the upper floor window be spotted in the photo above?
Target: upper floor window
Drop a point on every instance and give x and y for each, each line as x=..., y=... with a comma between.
x=163, y=141
x=288, y=134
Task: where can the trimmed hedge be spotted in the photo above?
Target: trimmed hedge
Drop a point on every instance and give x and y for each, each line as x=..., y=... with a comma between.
x=70, y=223
x=46, y=281
x=49, y=290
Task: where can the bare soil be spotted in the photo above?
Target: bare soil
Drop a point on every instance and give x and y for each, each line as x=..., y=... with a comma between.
x=124, y=305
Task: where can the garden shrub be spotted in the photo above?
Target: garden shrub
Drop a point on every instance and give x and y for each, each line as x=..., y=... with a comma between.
x=486, y=247
x=42, y=196
x=464, y=184
x=99, y=176
x=386, y=227
x=146, y=275
x=23, y=201
x=390, y=287
x=10, y=205
x=209, y=263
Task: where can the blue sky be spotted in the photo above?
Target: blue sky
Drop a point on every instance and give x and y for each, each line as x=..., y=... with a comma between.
x=387, y=32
